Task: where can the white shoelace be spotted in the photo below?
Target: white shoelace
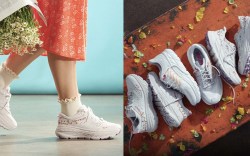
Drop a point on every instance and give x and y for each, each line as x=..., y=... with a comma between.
x=95, y=118
x=205, y=77
x=4, y=103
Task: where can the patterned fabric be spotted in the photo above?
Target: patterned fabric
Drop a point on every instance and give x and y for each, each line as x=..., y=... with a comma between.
x=65, y=34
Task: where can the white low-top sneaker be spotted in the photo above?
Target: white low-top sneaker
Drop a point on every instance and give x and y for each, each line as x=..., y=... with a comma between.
x=168, y=101
x=140, y=108
x=6, y=119
x=85, y=125
x=242, y=39
x=223, y=54
x=174, y=74
x=207, y=76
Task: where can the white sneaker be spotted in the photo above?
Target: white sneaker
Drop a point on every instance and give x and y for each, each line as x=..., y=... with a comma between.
x=140, y=108
x=6, y=119
x=208, y=79
x=223, y=54
x=85, y=125
x=242, y=39
x=168, y=101
x=174, y=74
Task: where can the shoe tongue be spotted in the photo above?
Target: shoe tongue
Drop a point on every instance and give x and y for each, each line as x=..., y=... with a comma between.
x=201, y=66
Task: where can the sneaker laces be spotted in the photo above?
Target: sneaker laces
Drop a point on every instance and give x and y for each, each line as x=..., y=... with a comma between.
x=4, y=104
x=95, y=118
x=206, y=77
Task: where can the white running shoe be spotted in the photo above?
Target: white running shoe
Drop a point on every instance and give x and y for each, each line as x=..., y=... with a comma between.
x=174, y=74
x=85, y=125
x=168, y=101
x=242, y=39
x=207, y=75
x=223, y=54
x=140, y=108
x=6, y=119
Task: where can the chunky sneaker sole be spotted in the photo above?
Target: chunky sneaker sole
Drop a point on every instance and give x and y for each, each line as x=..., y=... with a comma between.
x=85, y=125
x=6, y=119
x=215, y=48
x=242, y=39
x=64, y=133
x=168, y=101
x=143, y=108
x=187, y=85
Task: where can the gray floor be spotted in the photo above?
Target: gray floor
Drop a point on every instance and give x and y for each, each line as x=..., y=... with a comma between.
x=37, y=120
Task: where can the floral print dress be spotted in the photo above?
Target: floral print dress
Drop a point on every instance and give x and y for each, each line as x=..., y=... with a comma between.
x=65, y=33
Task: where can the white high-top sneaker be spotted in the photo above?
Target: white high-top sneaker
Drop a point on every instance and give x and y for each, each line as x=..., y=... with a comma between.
x=207, y=75
x=174, y=74
x=85, y=125
x=140, y=108
x=242, y=39
x=6, y=119
x=168, y=101
x=223, y=54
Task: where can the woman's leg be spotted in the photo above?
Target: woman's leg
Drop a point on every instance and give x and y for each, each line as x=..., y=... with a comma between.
x=14, y=65
x=64, y=73
x=8, y=72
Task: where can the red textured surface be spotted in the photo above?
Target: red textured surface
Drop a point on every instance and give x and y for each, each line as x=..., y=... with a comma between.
x=161, y=32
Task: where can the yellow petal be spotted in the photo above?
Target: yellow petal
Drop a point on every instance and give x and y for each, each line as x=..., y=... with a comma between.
x=137, y=60
x=241, y=110
x=226, y=10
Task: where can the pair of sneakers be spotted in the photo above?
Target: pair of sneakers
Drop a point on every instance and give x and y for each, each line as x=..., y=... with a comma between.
x=142, y=95
x=83, y=125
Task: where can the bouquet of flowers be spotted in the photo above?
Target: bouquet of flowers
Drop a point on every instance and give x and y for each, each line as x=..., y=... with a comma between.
x=19, y=31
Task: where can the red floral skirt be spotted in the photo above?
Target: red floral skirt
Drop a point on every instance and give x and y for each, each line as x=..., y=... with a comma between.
x=65, y=33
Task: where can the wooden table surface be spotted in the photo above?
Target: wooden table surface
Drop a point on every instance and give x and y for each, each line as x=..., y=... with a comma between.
x=159, y=33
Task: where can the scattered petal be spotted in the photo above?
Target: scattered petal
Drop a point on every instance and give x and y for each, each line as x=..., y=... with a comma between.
x=153, y=135
x=241, y=110
x=226, y=10
x=209, y=111
x=219, y=115
x=224, y=107
x=190, y=26
x=168, y=44
x=172, y=27
x=238, y=117
x=145, y=65
x=203, y=128
x=171, y=141
x=181, y=146
x=138, y=54
x=231, y=1
x=137, y=60
x=227, y=99
x=248, y=111
x=142, y=35
x=189, y=41
x=180, y=8
x=200, y=14
x=162, y=137
x=244, y=85
x=232, y=120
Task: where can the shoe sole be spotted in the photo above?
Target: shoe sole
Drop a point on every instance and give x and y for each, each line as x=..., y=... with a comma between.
x=68, y=135
x=147, y=93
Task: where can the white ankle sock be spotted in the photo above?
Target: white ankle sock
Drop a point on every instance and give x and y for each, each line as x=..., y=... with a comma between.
x=70, y=106
x=6, y=76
